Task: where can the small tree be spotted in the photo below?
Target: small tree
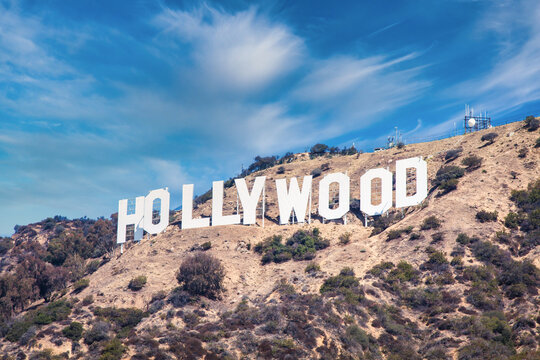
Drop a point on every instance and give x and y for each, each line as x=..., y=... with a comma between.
x=489, y=137
x=201, y=274
x=531, y=123
x=534, y=125
x=318, y=150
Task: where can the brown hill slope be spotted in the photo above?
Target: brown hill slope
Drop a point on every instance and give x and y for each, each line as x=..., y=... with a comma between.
x=423, y=308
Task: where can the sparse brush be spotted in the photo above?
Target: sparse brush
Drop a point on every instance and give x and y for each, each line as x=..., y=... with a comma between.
x=431, y=222
x=485, y=216
x=453, y=154
x=489, y=137
x=472, y=162
x=312, y=268
x=345, y=238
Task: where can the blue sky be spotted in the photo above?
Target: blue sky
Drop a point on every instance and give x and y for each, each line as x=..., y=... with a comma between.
x=104, y=100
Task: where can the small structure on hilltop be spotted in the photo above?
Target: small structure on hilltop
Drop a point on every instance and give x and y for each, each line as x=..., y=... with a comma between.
x=473, y=122
x=394, y=141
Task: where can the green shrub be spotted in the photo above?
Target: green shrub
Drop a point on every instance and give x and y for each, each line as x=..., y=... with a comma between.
x=537, y=143
x=47, y=314
x=345, y=238
x=89, y=299
x=448, y=185
x=73, y=331
x=516, y=290
x=437, y=258
x=414, y=236
x=379, y=269
x=457, y=261
x=345, y=280
x=423, y=298
x=18, y=329
x=124, y=318
x=113, y=350
x=357, y=336
x=80, y=285
x=511, y=220
x=404, y=272
x=529, y=211
x=201, y=274
x=483, y=349
x=445, y=278
x=316, y=172
x=137, y=283
x=206, y=246
x=472, y=162
x=485, y=216
x=54, y=311
x=302, y=245
x=489, y=137
x=437, y=237
x=312, y=268
x=92, y=266
x=431, y=222
x=531, y=123
x=318, y=150
x=393, y=234
x=528, y=120
x=381, y=223
x=503, y=237
x=98, y=332
x=447, y=173
x=452, y=154
x=490, y=253
x=463, y=239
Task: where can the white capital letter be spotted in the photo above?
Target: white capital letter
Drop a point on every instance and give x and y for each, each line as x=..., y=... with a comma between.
x=133, y=219
x=386, y=192
x=420, y=165
x=293, y=199
x=217, y=207
x=249, y=201
x=165, y=197
x=344, y=196
x=187, y=210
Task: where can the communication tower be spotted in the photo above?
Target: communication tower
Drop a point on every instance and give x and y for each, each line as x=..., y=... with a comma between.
x=393, y=141
x=473, y=122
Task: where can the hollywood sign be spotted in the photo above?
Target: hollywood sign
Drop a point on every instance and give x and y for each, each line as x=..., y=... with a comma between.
x=291, y=199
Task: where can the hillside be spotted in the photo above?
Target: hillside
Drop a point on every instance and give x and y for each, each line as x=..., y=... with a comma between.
x=462, y=284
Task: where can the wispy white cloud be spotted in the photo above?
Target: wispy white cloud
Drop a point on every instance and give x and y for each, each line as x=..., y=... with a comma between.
x=383, y=29
x=512, y=79
x=235, y=52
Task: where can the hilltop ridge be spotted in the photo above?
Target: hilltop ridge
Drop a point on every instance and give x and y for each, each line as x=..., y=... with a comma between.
x=435, y=281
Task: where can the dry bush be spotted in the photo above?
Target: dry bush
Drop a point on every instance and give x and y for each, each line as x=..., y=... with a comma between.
x=201, y=274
